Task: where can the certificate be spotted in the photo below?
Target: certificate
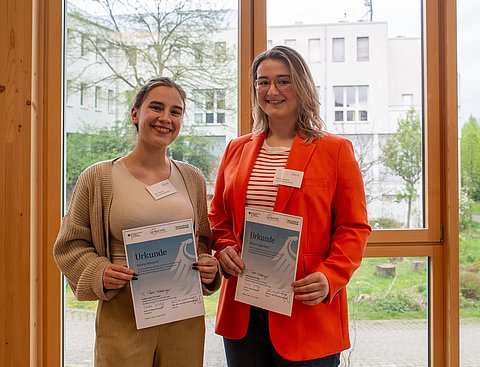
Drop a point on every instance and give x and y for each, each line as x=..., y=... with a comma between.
x=269, y=252
x=167, y=289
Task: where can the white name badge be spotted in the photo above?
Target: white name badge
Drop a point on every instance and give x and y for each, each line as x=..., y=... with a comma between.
x=288, y=177
x=161, y=189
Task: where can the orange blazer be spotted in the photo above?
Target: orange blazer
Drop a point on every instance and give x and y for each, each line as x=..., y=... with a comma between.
x=335, y=229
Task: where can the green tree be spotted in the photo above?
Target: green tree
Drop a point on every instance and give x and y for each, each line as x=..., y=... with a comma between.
x=402, y=155
x=134, y=41
x=94, y=144
x=470, y=158
x=195, y=149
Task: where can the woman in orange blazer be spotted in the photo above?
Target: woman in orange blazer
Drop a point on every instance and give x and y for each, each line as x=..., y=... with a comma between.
x=288, y=133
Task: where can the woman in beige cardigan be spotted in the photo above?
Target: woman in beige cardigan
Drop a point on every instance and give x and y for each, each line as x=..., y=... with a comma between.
x=111, y=196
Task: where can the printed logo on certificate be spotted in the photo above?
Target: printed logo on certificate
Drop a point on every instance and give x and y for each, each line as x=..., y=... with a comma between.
x=270, y=251
x=167, y=289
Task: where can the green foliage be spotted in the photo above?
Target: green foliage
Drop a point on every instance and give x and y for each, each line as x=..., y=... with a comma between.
x=195, y=149
x=402, y=155
x=465, y=210
x=93, y=144
x=72, y=303
x=373, y=297
x=470, y=285
x=385, y=223
x=470, y=158
x=398, y=302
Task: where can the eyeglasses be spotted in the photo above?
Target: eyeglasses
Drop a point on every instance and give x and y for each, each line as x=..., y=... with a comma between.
x=263, y=84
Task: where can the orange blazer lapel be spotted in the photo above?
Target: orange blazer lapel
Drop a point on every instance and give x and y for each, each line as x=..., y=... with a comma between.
x=297, y=160
x=245, y=165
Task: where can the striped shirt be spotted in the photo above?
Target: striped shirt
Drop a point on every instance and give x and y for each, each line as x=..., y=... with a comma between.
x=261, y=191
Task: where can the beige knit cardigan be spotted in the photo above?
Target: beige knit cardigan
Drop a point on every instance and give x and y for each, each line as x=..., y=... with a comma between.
x=82, y=248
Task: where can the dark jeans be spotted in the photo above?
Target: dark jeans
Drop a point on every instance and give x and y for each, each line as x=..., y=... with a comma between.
x=256, y=349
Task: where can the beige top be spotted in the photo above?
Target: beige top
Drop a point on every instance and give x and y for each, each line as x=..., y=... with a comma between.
x=144, y=210
x=82, y=248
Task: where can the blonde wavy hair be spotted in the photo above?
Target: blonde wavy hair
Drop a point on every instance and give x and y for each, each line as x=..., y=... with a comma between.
x=309, y=125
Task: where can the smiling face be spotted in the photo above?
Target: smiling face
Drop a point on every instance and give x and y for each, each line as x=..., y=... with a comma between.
x=159, y=117
x=279, y=105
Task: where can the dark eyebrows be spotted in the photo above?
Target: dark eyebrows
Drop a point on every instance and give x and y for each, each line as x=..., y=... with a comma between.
x=161, y=104
x=276, y=77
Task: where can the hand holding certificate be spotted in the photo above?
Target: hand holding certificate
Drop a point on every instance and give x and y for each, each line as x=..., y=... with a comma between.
x=167, y=289
x=270, y=249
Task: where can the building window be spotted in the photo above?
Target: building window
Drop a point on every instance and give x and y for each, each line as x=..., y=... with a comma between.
x=110, y=100
x=198, y=118
x=351, y=103
x=221, y=51
x=407, y=100
x=314, y=50
x=363, y=52
x=209, y=99
x=210, y=105
x=220, y=99
x=220, y=118
x=209, y=118
x=100, y=50
x=338, y=49
x=291, y=43
x=83, y=45
x=269, y=44
x=83, y=94
x=68, y=92
x=197, y=52
x=98, y=97
x=132, y=56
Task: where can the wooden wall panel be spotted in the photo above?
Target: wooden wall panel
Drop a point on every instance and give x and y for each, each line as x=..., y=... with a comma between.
x=15, y=128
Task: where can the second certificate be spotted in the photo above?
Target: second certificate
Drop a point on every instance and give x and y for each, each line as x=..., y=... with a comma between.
x=269, y=252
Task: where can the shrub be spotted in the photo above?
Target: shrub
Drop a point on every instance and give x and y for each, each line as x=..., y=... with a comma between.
x=466, y=211
x=385, y=223
x=470, y=285
x=402, y=302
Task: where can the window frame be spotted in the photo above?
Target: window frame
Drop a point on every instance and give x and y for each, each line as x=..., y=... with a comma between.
x=439, y=239
x=40, y=30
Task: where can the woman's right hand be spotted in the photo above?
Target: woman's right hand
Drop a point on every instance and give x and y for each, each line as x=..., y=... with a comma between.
x=116, y=276
x=230, y=261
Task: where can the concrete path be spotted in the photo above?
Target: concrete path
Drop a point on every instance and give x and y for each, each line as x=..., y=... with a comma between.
x=390, y=343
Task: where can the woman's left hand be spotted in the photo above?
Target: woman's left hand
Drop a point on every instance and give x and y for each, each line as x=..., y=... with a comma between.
x=312, y=289
x=208, y=267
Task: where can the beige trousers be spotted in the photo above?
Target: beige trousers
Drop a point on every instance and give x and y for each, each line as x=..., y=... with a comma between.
x=119, y=343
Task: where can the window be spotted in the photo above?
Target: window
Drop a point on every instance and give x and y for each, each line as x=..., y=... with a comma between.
x=338, y=49
x=407, y=99
x=100, y=50
x=132, y=56
x=111, y=100
x=83, y=94
x=197, y=52
x=291, y=43
x=351, y=103
x=83, y=44
x=209, y=118
x=314, y=50
x=210, y=106
x=221, y=50
x=362, y=49
x=196, y=44
x=220, y=118
x=68, y=92
x=98, y=97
